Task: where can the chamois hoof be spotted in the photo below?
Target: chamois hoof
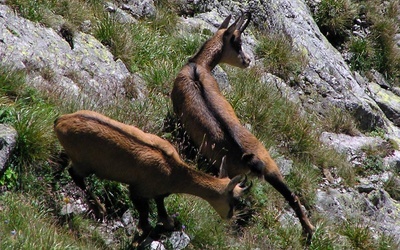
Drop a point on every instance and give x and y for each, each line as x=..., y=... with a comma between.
x=169, y=223
x=98, y=210
x=308, y=234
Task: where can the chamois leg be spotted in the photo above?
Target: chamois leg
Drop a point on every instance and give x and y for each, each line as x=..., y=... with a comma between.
x=167, y=221
x=93, y=201
x=142, y=206
x=277, y=182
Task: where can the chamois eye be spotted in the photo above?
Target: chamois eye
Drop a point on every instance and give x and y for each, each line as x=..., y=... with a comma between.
x=236, y=43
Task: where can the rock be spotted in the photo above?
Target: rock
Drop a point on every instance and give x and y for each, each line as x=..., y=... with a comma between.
x=73, y=206
x=8, y=137
x=376, y=209
x=140, y=8
x=179, y=240
x=285, y=165
x=222, y=78
x=156, y=245
x=52, y=66
x=352, y=146
x=387, y=101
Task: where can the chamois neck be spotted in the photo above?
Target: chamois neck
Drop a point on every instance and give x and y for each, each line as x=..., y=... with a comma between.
x=200, y=184
x=209, y=54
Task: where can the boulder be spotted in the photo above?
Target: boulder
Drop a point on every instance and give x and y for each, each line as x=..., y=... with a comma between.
x=52, y=66
x=375, y=209
x=8, y=137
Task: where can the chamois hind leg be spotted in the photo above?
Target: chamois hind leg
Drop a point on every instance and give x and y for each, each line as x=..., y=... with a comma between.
x=93, y=201
x=276, y=180
x=167, y=221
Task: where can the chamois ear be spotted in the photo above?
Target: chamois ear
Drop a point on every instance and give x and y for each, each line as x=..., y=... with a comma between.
x=232, y=184
x=225, y=23
x=223, y=172
x=229, y=31
x=254, y=163
x=246, y=157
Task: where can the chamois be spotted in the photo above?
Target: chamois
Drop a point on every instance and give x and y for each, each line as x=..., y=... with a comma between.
x=211, y=122
x=150, y=165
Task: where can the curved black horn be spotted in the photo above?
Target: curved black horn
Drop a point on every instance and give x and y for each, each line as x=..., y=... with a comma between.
x=240, y=20
x=247, y=188
x=248, y=16
x=243, y=183
x=223, y=173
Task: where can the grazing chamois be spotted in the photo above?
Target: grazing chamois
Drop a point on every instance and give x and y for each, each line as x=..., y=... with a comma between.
x=211, y=122
x=150, y=165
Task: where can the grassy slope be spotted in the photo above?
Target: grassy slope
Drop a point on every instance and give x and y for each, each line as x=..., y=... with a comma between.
x=138, y=45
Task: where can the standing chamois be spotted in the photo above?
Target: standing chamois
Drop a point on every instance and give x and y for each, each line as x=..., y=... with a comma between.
x=150, y=165
x=211, y=122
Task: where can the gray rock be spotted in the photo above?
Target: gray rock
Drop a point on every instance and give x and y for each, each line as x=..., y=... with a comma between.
x=350, y=145
x=88, y=69
x=8, y=137
x=285, y=165
x=387, y=101
x=375, y=209
x=179, y=240
x=140, y=8
x=222, y=78
x=156, y=245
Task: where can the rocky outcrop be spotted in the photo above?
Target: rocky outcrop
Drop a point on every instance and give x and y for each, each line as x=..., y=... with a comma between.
x=8, y=137
x=88, y=69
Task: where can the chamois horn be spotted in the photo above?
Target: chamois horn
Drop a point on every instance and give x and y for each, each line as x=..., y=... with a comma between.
x=248, y=16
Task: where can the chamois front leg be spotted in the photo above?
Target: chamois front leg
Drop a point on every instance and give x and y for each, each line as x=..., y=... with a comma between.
x=276, y=180
x=93, y=201
x=167, y=221
x=142, y=206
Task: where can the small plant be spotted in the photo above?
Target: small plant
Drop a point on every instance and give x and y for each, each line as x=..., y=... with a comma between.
x=9, y=178
x=32, y=10
x=25, y=225
x=11, y=81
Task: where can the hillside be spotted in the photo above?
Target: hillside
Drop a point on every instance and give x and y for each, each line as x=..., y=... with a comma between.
x=322, y=93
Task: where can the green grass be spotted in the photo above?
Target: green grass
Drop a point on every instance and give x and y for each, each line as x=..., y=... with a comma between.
x=363, y=54
x=334, y=17
x=377, y=50
x=25, y=224
x=339, y=121
x=278, y=55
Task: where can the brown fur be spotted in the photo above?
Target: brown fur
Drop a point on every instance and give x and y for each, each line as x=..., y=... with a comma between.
x=212, y=124
x=150, y=165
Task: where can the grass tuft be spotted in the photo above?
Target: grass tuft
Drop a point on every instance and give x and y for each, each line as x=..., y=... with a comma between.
x=334, y=17
x=279, y=57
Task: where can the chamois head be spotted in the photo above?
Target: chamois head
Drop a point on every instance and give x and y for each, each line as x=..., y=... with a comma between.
x=225, y=46
x=232, y=52
x=234, y=190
